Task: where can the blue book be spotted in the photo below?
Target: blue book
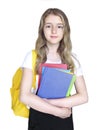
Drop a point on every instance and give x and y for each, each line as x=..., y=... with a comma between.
x=55, y=83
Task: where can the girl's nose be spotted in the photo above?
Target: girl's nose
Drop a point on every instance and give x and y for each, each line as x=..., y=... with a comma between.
x=54, y=29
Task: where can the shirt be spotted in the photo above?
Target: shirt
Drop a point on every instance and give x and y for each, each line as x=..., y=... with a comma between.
x=27, y=63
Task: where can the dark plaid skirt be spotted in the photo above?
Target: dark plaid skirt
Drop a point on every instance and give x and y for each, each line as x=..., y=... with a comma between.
x=42, y=121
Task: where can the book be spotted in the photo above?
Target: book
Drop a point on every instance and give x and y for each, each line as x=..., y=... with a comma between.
x=55, y=83
x=63, y=66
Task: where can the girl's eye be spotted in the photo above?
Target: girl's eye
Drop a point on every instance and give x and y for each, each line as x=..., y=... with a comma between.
x=60, y=26
x=48, y=26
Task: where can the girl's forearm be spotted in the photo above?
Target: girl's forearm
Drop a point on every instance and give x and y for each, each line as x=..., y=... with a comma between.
x=71, y=101
x=39, y=104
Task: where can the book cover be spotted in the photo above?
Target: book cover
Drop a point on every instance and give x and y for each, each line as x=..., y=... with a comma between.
x=55, y=83
x=63, y=66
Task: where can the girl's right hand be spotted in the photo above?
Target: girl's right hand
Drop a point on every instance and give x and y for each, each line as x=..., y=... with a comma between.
x=64, y=113
x=61, y=111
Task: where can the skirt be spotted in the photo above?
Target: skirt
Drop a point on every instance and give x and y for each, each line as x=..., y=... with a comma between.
x=42, y=121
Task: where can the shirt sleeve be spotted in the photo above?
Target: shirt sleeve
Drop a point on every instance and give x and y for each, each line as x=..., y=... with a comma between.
x=78, y=69
x=27, y=62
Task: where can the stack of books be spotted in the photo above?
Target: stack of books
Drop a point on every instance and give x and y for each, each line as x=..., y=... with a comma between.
x=55, y=81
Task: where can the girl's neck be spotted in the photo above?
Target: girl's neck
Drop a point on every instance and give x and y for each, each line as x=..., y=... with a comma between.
x=53, y=55
x=52, y=48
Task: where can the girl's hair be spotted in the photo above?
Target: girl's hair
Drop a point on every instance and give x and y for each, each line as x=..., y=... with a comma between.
x=65, y=46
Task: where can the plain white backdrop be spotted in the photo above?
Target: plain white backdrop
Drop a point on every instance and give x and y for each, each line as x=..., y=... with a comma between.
x=19, y=21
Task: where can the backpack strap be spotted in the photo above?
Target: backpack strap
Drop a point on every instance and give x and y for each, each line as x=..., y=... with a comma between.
x=34, y=55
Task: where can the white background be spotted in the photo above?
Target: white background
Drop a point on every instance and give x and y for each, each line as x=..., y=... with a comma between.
x=19, y=21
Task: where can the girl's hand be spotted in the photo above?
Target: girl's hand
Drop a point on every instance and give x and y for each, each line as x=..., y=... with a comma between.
x=63, y=112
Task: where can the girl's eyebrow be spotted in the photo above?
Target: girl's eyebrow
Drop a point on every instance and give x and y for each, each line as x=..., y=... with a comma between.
x=57, y=23
x=48, y=23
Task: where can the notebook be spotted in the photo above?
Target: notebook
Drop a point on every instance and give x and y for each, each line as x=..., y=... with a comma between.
x=55, y=83
x=63, y=66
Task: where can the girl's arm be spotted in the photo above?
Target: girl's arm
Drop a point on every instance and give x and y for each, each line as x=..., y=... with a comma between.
x=35, y=102
x=79, y=98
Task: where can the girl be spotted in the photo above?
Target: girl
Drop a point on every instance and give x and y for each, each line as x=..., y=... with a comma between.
x=53, y=45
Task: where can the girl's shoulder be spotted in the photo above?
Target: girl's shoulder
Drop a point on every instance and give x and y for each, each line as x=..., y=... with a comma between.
x=27, y=62
x=75, y=59
x=78, y=69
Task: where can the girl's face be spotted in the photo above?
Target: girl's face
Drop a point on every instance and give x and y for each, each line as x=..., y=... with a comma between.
x=53, y=29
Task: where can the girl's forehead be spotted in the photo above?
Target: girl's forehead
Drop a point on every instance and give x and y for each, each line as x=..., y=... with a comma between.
x=53, y=18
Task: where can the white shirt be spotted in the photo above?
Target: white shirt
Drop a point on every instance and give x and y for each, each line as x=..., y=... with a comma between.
x=27, y=63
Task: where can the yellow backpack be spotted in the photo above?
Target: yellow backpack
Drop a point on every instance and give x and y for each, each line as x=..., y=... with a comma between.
x=19, y=108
